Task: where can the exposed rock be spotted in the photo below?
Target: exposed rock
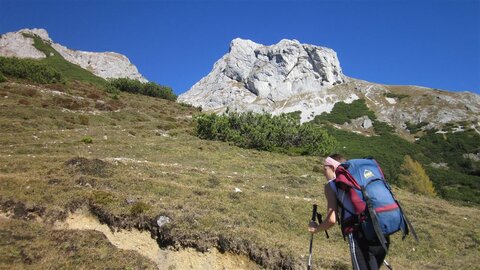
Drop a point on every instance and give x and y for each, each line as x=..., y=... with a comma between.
x=105, y=64
x=472, y=156
x=254, y=77
x=162, y=220
x=290, y=76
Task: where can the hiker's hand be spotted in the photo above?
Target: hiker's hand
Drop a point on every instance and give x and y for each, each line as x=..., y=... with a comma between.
x=313, y=227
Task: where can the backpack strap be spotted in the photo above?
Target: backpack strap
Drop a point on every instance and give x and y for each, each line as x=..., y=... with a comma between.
x=408, y=227
x=374, y=218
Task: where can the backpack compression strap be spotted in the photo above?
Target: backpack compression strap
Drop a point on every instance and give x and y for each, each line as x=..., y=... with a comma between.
x=409, y=227
x=375, y=223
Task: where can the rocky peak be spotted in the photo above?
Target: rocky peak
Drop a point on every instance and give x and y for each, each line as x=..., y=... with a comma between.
x=291, y=76
x=256, y=77
x=105, y=64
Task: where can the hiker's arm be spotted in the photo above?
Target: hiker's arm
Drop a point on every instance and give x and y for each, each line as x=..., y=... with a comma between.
x=331, y=217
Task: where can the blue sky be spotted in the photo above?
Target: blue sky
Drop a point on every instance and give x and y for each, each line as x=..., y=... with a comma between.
x=428, y=43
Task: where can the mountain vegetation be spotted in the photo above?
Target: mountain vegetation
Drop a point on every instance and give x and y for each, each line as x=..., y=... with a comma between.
x=457, y=181
x=414, y=178
x=282, y=133
x=149, y=89
x=129, y=159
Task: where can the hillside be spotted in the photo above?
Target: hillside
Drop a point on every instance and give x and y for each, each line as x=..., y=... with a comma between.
x=293, y=77
x=130, y=159
x=36, y=44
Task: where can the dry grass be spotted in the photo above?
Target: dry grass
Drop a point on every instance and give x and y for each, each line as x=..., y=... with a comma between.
x=46, y=170
x=30, y=245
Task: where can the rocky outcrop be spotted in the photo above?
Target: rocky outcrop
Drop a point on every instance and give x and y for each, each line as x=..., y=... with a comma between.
x=105, y=64
x=290, y=76
x=259, y=78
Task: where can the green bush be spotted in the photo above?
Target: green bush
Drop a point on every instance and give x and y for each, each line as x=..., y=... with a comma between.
x=282, y=133
x=87, y=139
x=343, y=112
x=29, y=69
x=382, y=128
x=149, y=89
x=450, y=147
x=2, y=78
x=399, y=96
x=414, y=128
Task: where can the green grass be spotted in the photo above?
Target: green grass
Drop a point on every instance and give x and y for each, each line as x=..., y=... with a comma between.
x=47, y=169
x=69, y=70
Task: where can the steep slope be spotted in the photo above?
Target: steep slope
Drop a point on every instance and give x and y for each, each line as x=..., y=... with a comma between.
x=290, y=76
x=106, y=65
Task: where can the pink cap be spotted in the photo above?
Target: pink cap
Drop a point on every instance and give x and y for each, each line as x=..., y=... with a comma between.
x=331, y=162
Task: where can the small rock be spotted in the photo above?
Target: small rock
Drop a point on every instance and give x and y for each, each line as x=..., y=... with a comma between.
x=162, y=220
x=130, y=201
x=237, y=190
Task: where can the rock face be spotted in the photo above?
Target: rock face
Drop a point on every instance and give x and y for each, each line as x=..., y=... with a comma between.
x=266, y=78
x=105, y=65
x=290, y=76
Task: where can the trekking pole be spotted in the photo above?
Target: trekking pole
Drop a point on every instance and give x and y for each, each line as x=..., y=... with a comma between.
x=319, y=217
x=314, y=215
x=387, y=264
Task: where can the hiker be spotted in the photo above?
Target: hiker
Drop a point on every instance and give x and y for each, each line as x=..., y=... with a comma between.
x=364, y=254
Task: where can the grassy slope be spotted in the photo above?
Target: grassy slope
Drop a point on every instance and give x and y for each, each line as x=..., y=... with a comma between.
x=69, y=70
x=190, y=180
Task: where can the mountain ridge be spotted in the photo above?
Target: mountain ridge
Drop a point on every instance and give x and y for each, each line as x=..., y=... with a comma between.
x=260, y=84
x=103, y=64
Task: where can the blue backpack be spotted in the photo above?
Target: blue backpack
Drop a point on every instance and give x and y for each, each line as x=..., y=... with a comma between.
x=373, y=207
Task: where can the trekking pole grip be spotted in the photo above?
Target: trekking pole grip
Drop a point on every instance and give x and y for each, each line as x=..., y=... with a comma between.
x=314, y=212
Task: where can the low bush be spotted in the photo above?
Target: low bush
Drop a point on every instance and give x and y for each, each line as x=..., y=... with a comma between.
x=343, y=112
x=87, y=139
x=29, y=69
x=282, y=133
x=2, y=78
x=149, y=89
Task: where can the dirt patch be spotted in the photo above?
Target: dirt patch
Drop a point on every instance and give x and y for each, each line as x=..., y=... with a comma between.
x=143, y=243
x=95, y=167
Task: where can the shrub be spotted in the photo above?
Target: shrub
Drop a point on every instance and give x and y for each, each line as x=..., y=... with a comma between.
x=414, y=178
x=399, y=96
x=87, y=139
x=2, y=78
x=414, y=128
x=382, y=128
x=149, y=89
x=29, y=69
x=343, y=112
x=282, y=133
